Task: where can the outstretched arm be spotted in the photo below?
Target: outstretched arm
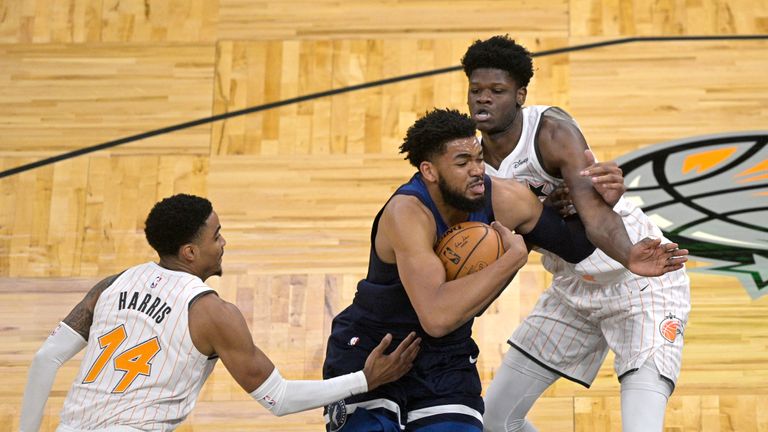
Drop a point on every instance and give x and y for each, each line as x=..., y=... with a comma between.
x=69, y=338
x=562, y=147
x=219, y=327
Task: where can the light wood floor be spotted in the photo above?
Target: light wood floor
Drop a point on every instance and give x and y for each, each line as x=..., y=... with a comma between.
x=297, y=187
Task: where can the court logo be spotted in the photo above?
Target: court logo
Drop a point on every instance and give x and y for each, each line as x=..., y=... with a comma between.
x=670, y=327
x=710, y=195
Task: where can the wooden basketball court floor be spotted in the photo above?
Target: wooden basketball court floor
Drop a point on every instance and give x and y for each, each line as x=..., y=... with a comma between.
x=297, y=187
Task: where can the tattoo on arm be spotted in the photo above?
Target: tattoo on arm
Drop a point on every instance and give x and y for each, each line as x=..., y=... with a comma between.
x=81, y=317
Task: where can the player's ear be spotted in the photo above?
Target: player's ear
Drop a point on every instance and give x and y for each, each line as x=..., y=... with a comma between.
x=188, y=252
x=522, y=93
x=428, y=171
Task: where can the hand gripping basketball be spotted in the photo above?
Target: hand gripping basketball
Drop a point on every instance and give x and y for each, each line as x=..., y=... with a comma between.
x=468, y=247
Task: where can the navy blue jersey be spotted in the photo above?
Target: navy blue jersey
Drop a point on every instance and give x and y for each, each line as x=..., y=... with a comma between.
x=381, y=297
x=442, y=391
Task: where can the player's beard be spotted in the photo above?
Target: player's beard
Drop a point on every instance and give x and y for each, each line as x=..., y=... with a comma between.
x=458, y=200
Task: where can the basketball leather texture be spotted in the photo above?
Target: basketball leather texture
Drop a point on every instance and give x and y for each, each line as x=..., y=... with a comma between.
x=468, y=247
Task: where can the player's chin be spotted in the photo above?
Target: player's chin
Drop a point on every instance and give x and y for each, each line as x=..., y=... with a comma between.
x=484, y=125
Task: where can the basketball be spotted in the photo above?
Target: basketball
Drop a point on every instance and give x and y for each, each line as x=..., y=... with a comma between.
x=468, y=247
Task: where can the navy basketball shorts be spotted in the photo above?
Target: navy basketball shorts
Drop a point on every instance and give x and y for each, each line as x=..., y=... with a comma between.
x=440, y=393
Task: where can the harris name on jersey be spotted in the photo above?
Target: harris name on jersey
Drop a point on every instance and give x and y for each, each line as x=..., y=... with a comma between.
x=154, y=310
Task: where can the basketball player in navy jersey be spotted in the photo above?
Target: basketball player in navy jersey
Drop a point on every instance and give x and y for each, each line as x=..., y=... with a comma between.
x=596, y=304
x=153, y=333
x=406, y=287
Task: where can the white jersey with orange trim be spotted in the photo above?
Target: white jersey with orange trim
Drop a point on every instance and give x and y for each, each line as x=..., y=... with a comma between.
x=140, y=369
x=597, y=304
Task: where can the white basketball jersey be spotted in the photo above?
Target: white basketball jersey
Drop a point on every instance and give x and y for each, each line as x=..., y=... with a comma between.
x=523, y=165
x=140, y=368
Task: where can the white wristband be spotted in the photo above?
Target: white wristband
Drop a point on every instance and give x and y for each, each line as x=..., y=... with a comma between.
x=282, y=397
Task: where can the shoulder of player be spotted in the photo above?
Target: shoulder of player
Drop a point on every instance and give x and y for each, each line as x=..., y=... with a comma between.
x=407, y=223
x=95, y=292
x=212, y=309
x=406, y=207
x=215, y=324
x=80, y=317
x=512, y=202
x=559, y=135
x=505, y=189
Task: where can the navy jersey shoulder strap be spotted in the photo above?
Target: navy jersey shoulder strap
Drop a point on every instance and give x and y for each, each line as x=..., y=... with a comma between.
x=416, y=187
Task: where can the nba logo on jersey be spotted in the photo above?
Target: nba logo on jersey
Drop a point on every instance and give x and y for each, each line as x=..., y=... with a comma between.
x=670, y=327
x=337, y=415
x=269, y=400
x=155, y=282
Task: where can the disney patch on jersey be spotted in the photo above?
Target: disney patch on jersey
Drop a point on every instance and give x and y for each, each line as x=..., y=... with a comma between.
x=520, y=162
x=337, y=415
x=670, y=327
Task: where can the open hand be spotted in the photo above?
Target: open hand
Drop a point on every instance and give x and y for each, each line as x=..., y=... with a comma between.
x=380, y=368
x=649, y=257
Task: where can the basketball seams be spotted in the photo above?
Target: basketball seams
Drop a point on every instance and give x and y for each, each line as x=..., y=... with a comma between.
x=446, y=241
x=471, y=246
x=472, y=251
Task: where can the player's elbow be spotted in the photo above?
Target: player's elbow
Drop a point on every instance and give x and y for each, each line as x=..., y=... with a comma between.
x=45, y=356
x=437, y=326
x=280, y=412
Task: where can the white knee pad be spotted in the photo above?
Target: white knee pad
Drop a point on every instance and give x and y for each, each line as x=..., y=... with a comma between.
x=518, y=383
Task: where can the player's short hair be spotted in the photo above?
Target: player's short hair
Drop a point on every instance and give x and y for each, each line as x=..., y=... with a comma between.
x=427, y=137
x=500, y=52
x=176, y=221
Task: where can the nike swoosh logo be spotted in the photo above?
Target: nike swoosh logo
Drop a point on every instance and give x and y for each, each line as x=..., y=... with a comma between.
x=472, y=360
x=643, y=288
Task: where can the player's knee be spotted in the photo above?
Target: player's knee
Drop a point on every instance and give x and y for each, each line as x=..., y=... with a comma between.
x=498, y=422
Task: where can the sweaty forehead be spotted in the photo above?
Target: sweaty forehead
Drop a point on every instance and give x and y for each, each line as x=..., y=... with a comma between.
x=469, y=146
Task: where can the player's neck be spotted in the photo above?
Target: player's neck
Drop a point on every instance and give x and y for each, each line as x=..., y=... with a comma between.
x=175, y=264
x=497, y=145
x=495, y=151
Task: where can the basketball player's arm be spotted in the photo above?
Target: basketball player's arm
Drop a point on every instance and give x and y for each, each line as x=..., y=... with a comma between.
x=69, y=338
x=562, y=147
x=408, y=229
x=607, y=179
x=218, y=327
x=514, y=205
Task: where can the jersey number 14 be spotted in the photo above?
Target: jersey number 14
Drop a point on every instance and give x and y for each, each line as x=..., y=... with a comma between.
x=134, y=361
